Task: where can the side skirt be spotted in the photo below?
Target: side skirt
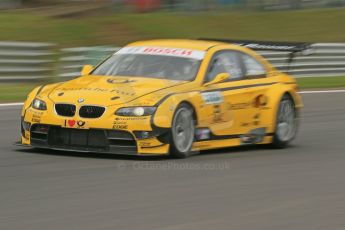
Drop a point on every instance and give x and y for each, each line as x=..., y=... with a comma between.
x=255, y=136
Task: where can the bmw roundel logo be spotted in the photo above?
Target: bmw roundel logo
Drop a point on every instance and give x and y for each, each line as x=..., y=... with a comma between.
x=80, y=100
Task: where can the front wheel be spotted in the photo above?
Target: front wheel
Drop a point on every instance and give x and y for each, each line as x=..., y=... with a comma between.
x=286, y=125
x=182, y=132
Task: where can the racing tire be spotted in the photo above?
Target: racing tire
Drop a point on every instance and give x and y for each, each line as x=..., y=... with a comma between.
x=182, y=132
x=286, y=123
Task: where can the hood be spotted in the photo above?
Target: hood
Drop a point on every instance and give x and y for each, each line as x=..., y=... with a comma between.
x=105, y=90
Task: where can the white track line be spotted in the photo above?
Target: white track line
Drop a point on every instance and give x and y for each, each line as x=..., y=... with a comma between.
x=323, y=91
x=302, y=92
x=11, y=104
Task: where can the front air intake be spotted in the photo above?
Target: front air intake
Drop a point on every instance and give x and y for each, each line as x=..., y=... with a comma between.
x=90, y=111
x=65, y=110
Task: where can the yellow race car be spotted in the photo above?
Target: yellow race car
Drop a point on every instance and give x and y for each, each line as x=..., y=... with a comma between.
x=168, y=97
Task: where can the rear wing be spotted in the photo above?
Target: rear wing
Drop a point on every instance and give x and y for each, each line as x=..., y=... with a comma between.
x=266, y=45
x=292, y=48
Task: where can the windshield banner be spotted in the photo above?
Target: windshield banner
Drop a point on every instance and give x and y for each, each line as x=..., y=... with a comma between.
x=184, y=53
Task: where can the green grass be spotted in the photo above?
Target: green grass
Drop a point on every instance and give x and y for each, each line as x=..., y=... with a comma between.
x=321, y=82
x=307, y=25
x=30, y=27
x=18, y=92
x=106, y=27
x=14, y=92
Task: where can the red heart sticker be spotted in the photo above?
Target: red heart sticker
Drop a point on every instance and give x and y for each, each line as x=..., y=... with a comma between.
x=71, y=123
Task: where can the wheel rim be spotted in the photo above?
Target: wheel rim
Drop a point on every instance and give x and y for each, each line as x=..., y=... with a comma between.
x=183, y=130
x=286, y=121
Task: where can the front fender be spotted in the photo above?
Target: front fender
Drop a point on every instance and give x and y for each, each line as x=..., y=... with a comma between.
x=167, y=106
x=31, y=96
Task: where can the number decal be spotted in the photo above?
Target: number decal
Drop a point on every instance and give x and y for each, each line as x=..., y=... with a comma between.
x=212, y=98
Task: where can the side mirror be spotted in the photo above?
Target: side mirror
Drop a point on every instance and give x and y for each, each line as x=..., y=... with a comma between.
x=218, y=79
x=87, y=69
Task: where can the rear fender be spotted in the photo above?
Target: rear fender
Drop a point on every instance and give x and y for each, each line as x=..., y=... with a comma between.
x=275, y=95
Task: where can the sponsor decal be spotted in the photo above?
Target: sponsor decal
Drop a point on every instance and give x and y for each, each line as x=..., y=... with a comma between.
x=84, y=89
x=81, y=123
x=100, y=90
x=145, y=144
x=120, y=124
x=130, y=118
x=260, y=46
x=254, y=136
x=260, y=101
x=245, y=124
x=272, y=46
x=122, y=92
x=164, y=51
x=217, y=114
x=36, y=117
x=256, y=119
x=212, y=97
x=72, y=123
x=203, y=134
x=239, y=106
x=114, y=98
x=69, y=123
x=35, y=111
x=254, y=122
x=119, y=81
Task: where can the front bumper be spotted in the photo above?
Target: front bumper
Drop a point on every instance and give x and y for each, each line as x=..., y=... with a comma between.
x=115, y=135
x=92, y=140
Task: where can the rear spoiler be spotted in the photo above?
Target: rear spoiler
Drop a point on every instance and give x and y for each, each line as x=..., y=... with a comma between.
x=266, y=45
x=292, y=48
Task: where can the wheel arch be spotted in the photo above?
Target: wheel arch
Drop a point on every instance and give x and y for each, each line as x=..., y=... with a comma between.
x=275, y=95
x=195, y=115
x=166, y=110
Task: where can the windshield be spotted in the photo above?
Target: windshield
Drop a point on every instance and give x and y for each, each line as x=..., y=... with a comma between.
x=165, y=65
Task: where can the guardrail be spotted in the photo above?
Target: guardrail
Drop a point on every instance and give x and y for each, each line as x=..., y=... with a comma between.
x=72, y=60
x=37, y=61
x=325, y=59
x=25, y=61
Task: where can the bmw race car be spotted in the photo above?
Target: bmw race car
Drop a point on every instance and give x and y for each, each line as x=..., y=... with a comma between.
x=173, y=97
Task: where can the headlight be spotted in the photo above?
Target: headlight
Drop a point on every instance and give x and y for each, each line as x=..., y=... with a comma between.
x=39, y=104
x=135, y=111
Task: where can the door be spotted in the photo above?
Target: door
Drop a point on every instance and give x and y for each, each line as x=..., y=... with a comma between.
x=227, y=105
x=255, y=77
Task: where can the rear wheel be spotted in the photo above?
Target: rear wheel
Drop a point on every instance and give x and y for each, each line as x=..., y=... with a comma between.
x=286, y=123
x=182, y=132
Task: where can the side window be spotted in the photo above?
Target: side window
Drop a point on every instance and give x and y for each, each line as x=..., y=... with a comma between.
x=252, y=68
x=225, y=62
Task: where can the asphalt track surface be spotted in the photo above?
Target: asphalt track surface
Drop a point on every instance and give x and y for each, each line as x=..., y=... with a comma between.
x=302, y=187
